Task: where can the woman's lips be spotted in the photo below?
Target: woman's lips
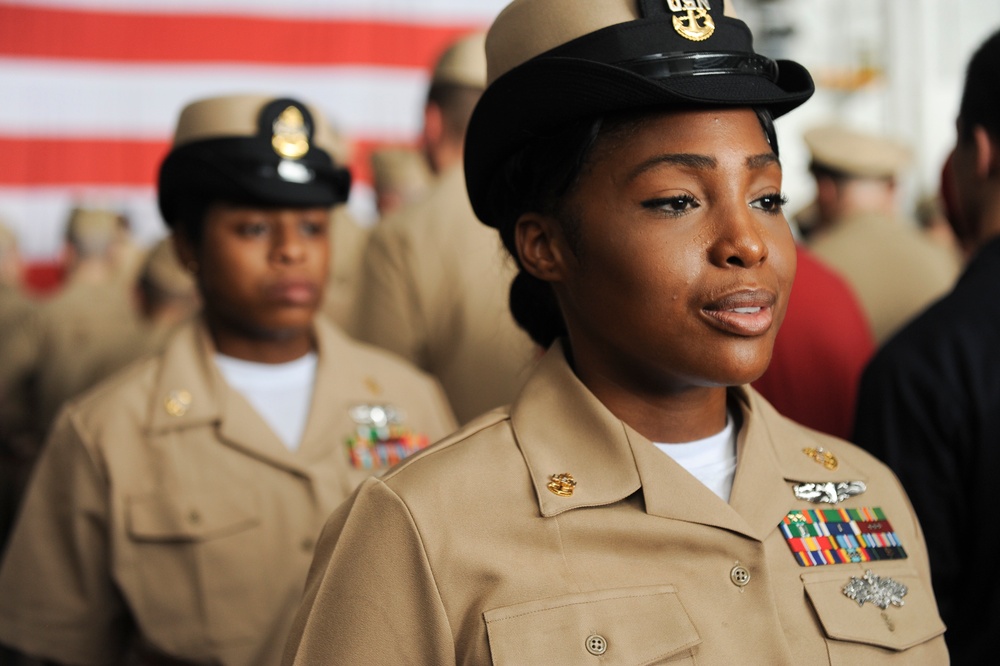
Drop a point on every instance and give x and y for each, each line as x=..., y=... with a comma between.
x=747, y=313
x=294, y=292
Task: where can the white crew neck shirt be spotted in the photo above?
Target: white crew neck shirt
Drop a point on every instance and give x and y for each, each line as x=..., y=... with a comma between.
x=280, y=392
x=711, y=460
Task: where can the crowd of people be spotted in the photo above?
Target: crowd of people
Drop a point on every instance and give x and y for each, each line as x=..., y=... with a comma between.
x=584, y=392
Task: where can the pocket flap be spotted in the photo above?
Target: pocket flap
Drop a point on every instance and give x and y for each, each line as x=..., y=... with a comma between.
x=190, y=517
x=637, y=625
x=895, y=628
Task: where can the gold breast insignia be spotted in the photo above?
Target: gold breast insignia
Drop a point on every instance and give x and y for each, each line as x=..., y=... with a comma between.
x=822, y=456
x=562, y=484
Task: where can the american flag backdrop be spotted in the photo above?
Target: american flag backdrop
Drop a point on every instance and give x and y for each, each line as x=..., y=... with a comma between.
x=90, y=89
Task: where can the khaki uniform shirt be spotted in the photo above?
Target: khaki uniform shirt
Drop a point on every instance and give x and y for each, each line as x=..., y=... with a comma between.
x=435, y=290
x=14, y=304
x=57, y=345
x=348, y=240
x=476, y=561
x=165, y=513
x=893, y=269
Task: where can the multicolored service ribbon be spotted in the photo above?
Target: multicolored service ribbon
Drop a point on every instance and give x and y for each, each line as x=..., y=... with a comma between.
x=840, y=536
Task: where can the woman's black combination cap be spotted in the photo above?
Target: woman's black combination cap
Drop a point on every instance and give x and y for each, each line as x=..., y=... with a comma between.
x=251, y=149
x=552, y=62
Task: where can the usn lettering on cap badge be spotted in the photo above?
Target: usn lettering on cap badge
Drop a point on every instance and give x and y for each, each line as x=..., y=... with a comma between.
x=691, y=19
x=290, y=138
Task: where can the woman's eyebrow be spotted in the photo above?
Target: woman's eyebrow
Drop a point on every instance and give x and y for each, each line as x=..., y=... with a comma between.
x=678, y=159
x=762, y=160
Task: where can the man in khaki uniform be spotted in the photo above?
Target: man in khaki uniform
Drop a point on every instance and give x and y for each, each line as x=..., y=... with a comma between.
x=56, y=345
x=637, y=504
x=173, y=512
x=435, y=283
x=895, y=271
x=167, y=297
x=14, y=410
x=400, y=176
x=348, y=242
x=13, y=301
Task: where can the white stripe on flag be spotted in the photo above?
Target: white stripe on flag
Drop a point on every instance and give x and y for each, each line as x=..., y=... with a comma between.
x=72, y=99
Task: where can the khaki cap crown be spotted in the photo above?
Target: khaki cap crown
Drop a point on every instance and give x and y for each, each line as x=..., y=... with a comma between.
x=463, y=63
x=238, y=116
x=857, y=153
x=528, y=28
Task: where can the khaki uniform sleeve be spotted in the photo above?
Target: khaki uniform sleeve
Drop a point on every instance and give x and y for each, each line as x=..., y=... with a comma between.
x=57, y=599
x=388, y=313
x=371, y=597
x=20, y=349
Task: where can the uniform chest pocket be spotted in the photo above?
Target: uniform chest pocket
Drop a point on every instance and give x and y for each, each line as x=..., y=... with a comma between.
x=906, y=632
x=192, y=516
x=628, y=626
x=192, y=568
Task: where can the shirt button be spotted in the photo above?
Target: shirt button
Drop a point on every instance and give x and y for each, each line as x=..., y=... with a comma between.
x=597, y=645
x=740, y=576
x=308, y=545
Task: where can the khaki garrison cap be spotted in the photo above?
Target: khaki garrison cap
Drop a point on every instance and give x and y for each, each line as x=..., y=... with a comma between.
x=855, y=153
x=463, y=63
x=93, y=225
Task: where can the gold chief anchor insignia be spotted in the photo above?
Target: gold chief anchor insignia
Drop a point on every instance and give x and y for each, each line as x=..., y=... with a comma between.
x=290, y=139
x=691, y=19
x=823, y=457
x=562, y=484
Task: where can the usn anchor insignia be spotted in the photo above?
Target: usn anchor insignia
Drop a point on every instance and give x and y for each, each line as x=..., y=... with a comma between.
x=881, y=592
x=829, y=493
x=691, y=19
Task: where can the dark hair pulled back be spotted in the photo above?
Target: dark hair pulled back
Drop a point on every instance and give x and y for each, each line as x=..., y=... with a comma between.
x=535, y=179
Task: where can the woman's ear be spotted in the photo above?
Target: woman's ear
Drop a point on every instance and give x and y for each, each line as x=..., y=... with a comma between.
x=185, y=251
x=987, y=153
x=541, y=246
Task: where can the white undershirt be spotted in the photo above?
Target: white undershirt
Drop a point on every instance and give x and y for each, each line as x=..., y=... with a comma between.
x=711, y=460
x=280, y=392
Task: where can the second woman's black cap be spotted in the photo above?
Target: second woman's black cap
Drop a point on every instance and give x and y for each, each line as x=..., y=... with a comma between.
x=251, y=149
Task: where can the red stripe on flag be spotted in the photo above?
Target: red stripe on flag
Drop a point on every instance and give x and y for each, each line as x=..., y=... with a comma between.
x=32, y=161
x=184, y=38
x=35, y=162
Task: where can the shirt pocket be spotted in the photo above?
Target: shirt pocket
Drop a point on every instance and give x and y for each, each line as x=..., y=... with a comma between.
x=628, y=626
x=196, y=565
x=852, y=630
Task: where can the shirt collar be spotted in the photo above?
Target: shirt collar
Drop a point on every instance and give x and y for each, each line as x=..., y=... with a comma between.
x=561, y=427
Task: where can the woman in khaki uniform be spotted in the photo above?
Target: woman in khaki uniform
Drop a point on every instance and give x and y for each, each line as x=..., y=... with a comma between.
x=174, y=510
x=638, y=503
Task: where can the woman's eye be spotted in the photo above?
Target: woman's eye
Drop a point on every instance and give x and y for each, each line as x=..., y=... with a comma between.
x=770, y=203
x=252, y=229
x=672, y=206
x=311, y=228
